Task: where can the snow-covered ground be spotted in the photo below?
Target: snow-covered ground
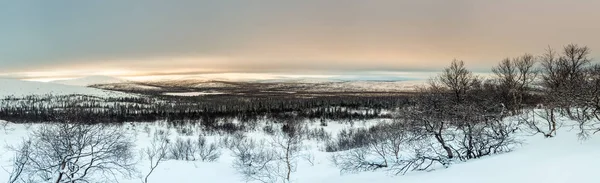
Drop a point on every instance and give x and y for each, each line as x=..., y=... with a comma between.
x=191, y=94
x=19, y=88
x=129, y=87
x=371, y=86
x=90, y=80
x=562, y=159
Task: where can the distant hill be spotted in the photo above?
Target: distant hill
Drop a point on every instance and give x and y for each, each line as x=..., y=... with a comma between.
x=90, y=80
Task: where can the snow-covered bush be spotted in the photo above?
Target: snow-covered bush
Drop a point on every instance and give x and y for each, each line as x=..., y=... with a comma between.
x=207, y=152
x=392, y=147
x=272, y=160
x=194, y=149
x=253, y=161
x=182, y=149
x=541, y=121
x=348, y=139
x=75, y=153
x=318, y=134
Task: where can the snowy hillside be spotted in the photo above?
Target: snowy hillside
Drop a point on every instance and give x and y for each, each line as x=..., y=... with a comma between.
x=371, y=86
x=90, y=80
x=128, y=87
x=24, y=88
x=562, y=159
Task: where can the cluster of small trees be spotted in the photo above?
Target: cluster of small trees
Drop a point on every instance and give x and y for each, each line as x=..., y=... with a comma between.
x=457, y=117
x=194, y=149
x=460, y=116
x=161, y=148
x=270, y=160
x=76, y=152
x=571, y=86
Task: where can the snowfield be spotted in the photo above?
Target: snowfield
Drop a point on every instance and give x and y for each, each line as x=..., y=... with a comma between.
x=562, y=159
x=371, y=86
x=20, y=88
x=191, y=94
x=90, y=80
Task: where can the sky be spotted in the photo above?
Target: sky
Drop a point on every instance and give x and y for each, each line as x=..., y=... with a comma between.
x=73, y=38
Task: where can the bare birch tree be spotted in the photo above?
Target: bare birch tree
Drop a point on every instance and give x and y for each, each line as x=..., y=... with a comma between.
x=69, y=153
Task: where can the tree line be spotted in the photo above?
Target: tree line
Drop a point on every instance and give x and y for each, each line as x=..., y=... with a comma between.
x=212, y=113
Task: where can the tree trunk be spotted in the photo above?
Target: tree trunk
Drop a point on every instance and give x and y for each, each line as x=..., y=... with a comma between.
x=287, y=160
x=60, y=174
x=553, y=121
x=446, y=148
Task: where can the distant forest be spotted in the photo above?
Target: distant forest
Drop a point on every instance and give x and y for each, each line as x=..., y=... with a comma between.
x=206, y=110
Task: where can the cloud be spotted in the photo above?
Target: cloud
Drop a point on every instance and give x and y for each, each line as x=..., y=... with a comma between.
x=155, y=36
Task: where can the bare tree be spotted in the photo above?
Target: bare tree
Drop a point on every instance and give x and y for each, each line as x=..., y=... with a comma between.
x=394, y=147
x=460, y=112
x=20, y=162
x=514, y=78
x=527, y=73
x=4, y=126
x=482, y=131
x=183, y=149
x=430, y=114
x=563, y=75
x=287, y=146
x=78, y=153
x=457, y=79
x=566, y=79
x=207, y=152
x=194, y=149
x=272, y=160
x=592, y=104
x=253, y=160
x=157, y=152
x=541, y=121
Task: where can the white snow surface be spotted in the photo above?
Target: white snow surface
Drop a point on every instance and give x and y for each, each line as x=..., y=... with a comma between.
x=562, y=159
x=210, y=84
x=129, y=86
x=90, y=80
x=191, y=94
x=374, y=86
x=14, y=87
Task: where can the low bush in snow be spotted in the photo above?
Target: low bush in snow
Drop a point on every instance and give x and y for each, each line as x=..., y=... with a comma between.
x=194, y=149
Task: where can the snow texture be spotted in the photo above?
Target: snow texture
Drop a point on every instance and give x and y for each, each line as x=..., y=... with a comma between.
x=19, y=88
x=556, y=160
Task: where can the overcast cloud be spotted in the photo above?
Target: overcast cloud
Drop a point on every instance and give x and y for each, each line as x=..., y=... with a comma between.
x=117, y=37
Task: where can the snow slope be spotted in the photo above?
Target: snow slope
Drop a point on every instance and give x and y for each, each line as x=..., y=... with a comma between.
x=128, y=86
x=18, y=88
x=372, y=86
x=90, y=80
x=562, y=159
x=191, y=94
